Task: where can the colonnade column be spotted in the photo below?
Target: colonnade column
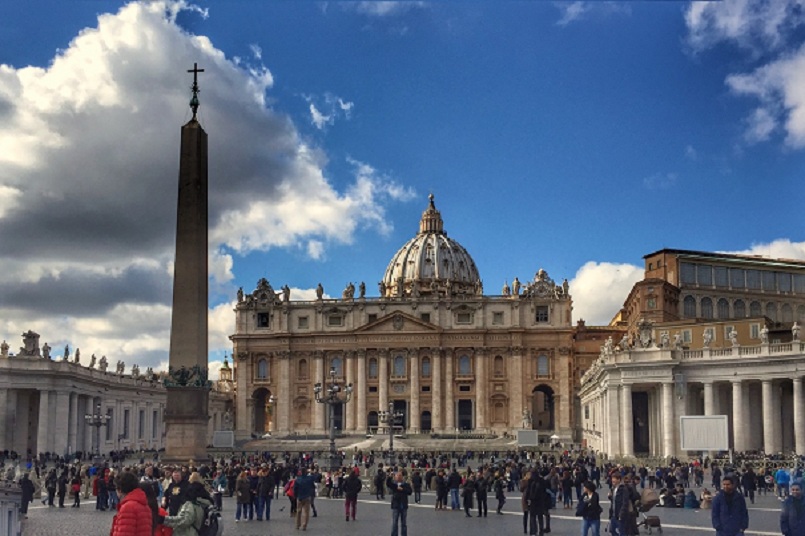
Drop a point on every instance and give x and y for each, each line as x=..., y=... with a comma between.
x=436, y=391
x=769, y=418
x=709, y=399
x=360, y=391
x=668, y=419
x=480, y=390
x=5, y=443
x=62, y=427
x=383, y=380
x=449, y=402
x=626, y=420
x=799, y=420
x=319, y=409
x=738, y=441
x=612, y=431
x=516, y=388
x=44, y=424
x=349, y=377
x=414, y=417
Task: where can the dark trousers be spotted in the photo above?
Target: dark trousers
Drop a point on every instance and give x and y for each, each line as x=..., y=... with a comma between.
x=482, y=506
x=398, y=517
x=536, y=521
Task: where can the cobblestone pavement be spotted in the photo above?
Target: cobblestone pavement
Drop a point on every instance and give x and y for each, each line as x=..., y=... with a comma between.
x=374, y=519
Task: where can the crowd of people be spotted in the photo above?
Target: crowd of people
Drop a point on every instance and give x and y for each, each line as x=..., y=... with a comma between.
x=152, y=498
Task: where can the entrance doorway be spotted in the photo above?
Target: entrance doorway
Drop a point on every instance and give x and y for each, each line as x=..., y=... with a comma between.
x=263, y=412
x=425, y=422
x=401, y=406
x=640, y=422
x=542, y=408
x=465, y=415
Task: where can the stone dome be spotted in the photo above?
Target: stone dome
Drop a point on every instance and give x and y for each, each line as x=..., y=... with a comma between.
x=431, y=264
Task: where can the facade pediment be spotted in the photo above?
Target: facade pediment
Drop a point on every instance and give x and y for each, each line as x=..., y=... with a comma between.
x=397, y=322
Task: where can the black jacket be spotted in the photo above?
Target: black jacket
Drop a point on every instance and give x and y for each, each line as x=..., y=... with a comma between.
x=399, y=495
x=352, y=486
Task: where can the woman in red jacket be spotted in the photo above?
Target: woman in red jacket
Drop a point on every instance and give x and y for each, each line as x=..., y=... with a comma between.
x=134, y=517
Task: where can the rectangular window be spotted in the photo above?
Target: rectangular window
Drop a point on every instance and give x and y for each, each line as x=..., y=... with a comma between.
x=587, y=411
x=704, y=275
x=754, y=331
x=687, y=273
x=784, y=282
x=262, y=320
x=371, y=317
x=373, y=389
x=721, y=276
x=737, y=278
x=126, y=423
x=464, y=388
x=154, y=424
x=753, y=279
x=769, y=281
x=799, y=283
x=687, y=336
x=542, y=313
x=425, y=317
x=727, y=331
x=335, y=320
x=463, y=318
x=426, y=388
x=303, y=322
x=141, y=425
x=497, y=318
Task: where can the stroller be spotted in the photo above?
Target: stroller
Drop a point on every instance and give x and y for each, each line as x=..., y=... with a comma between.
x=648, y=500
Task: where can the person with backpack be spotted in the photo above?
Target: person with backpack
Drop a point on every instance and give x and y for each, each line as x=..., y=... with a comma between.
x=195, y=517
x=589, y=509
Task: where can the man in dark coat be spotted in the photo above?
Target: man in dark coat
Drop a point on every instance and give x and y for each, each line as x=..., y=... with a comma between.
x=730, y=516
x=538, y=502
x=27, y=494
x=175, y=494
x=400, y=490
x=352, y=486
x=792, y=518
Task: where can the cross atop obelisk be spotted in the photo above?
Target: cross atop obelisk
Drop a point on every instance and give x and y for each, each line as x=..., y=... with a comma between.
x=194, y=100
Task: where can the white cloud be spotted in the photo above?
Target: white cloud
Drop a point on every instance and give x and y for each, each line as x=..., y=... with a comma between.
x=691, y=153
x=326, y=109
x=599, y=290
x=782, y=248
x=384, y=8
x=318, y=118
x=660, y=181
x=571, y=11
x=88, y=171
x=257, y=52
x=576, y=11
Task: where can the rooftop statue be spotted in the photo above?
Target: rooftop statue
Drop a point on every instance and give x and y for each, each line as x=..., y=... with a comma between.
x=4, y=349
x=46, y=351
x=30, y=342
x=103, y=364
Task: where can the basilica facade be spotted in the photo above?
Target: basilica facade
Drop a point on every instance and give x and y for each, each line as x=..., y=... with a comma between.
x=432, y=345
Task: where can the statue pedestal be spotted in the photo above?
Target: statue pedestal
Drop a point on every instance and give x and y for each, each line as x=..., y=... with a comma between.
x=186, y=423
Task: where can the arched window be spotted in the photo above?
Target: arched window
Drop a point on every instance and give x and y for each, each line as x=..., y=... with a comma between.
x=771, y=311
x=801, y=312
x=373, y=368
x=543, y=366
x=787, y=313
x=754, y=309
x=426, y=367
x=498, y=366
x=338, y=365
x=399, y=366
x=739, y=309
x=689, y=305
x=723, y=309
x=302, y=369
x=464, y=366
x=707, y=308
x=262, y=369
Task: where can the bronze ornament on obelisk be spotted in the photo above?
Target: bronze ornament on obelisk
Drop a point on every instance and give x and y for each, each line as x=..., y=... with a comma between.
x=186, y=411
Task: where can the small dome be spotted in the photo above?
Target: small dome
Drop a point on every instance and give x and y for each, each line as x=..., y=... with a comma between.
x=431, y=264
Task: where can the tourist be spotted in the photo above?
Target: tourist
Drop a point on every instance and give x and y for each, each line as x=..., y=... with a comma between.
x=792, y=517
x=440, y=484
x=265, y=492
x=589, y=509
x=467, y=494
x=352, y=486
x=288, y=490
x=27, y=487
x=538, y=503
x=500, y=494
x=63, y=482
x=400, y=490
x=749, y=484
x=481, y=491
x=175, y=493
x=243, y=496
x=304, y=490
x=416, y=483
x=782, y=478
x=454, y=483
x=730, y=516
x=134, y=517
x=75, y=488
x=191, y=513
x=111, y=489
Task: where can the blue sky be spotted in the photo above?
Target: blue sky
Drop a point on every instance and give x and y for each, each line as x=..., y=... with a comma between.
x=570, y=136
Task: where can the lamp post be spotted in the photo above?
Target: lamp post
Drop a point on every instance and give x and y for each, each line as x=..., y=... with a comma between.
x=97, y=420
x=390, y=418
x=332, y=395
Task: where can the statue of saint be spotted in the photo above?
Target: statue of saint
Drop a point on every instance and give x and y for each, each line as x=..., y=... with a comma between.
x=734, y=338
x=286, y=293
x=665, y=340
x=677, y=340
x=319, y=291
x=609, y=346
x=764, y=335
x=362, y=290
x=516, y=287
x=228, y=420
x=66, y=352
x=77, y=357
x=240, y=295
x=4, y=349
x=707, y=338
x=506, y=290
x=565, y=287
x=382, y=288
x=92, y=361
x=795, y=329
x=46, y=351
x=624, y=344
x=103, y=364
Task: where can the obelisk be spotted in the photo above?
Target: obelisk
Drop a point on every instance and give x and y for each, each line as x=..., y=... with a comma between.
x=186, y=411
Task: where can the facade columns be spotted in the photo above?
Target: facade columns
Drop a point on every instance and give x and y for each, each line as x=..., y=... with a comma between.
x=360, y=391
x=612, y=418
x=63, y=425
x=738, y=423
x=4, y=435
x=626, y=420
x=770, y=417
x=383, y=380
x=284, y=400
x=349, y=377
x=516, y=388
x=668, y=420
x=799, y=420
x=318, y=409
x=414, y=412
x=436, y=391
x=481, y=402
x=709, y=399
x=449, y=402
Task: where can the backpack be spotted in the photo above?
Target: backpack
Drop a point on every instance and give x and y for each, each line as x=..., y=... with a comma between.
x=211, y=521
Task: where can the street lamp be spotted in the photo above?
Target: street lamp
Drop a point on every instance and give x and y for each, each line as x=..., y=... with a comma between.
x=390, y=418
x=332, y=395
x=97, y=420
